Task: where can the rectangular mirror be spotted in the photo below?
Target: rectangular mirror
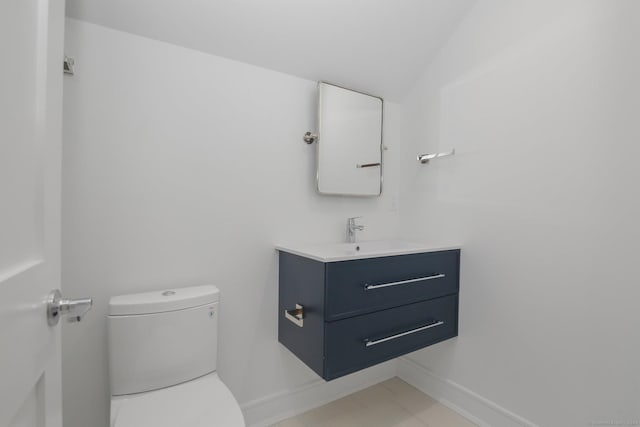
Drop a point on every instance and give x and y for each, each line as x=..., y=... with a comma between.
x=349, y=143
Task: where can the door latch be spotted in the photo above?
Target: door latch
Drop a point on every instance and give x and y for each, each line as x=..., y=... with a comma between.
x=74, y=309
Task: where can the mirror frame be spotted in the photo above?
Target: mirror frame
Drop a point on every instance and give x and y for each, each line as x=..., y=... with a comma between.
x=319, y=139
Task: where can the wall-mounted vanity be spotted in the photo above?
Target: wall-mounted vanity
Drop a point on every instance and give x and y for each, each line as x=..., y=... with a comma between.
x=345, y=307
x=349, y=143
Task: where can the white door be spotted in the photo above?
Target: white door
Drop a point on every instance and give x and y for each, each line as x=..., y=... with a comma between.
x=31, y=48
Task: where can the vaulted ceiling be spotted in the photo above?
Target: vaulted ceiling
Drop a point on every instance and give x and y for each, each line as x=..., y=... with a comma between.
x=378, y=46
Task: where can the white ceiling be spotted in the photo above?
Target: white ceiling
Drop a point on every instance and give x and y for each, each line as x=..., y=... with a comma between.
x=378, y=46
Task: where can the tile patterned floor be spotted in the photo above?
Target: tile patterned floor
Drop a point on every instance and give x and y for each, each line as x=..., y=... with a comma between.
x=392, y=403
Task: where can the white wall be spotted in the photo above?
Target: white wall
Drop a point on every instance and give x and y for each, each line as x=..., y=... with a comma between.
x=182, y=168
x=541, y=101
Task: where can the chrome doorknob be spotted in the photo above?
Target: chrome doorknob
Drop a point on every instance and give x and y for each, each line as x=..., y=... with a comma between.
x=74, y=309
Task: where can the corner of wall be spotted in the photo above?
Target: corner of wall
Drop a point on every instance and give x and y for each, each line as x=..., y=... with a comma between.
x=467, y=403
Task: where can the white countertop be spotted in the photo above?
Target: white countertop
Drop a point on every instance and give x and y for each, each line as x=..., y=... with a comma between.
x=332, y=252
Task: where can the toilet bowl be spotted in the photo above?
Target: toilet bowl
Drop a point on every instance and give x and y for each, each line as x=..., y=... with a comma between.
x=162, y=361
x=203, y=402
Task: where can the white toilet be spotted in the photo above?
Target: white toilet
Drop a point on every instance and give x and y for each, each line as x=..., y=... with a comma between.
x=162, y=361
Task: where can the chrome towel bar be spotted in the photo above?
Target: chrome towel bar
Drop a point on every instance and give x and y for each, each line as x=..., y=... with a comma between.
x=424, y=158
x=369, y=343
x=368, y=287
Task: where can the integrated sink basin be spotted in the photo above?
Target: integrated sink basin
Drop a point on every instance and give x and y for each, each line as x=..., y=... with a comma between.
x=331, y=252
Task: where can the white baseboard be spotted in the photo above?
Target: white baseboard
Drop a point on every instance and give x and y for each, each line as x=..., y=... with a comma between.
x=467, y=403
x=268, y=410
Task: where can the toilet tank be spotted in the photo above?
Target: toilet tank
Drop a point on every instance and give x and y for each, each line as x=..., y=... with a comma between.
x=159, y=339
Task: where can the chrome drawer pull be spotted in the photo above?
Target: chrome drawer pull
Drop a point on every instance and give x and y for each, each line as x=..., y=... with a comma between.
x=369, y=343
x=296, y=315
x=368, y=287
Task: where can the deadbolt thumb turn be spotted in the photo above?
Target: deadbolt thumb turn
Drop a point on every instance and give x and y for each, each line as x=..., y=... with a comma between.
x=74, y=309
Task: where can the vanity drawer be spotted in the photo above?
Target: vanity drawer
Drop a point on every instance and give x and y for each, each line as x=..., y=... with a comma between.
x=367, y=285
x=358, y=342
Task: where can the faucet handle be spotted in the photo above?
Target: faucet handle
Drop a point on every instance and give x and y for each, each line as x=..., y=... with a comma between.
x=351, y=224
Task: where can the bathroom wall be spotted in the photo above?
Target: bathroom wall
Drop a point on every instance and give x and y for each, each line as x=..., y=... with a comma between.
x=541, y=102
x=182, y=168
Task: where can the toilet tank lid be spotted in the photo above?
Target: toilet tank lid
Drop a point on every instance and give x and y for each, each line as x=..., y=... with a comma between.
x=163, y=301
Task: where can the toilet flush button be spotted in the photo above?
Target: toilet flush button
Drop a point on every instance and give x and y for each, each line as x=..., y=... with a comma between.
x=168, y=293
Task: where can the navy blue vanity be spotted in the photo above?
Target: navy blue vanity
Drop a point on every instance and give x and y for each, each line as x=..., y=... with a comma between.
x=342, y=316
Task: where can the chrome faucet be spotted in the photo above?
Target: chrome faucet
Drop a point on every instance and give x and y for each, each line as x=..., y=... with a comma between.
x=351, y=229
